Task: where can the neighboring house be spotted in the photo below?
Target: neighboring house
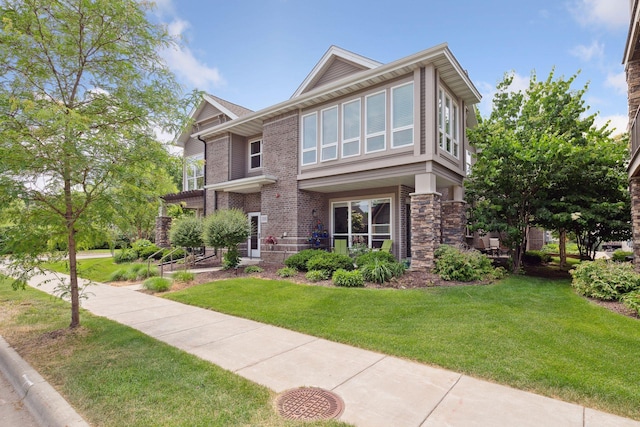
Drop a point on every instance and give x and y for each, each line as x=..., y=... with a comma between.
x=631, y=62
x=362, y=151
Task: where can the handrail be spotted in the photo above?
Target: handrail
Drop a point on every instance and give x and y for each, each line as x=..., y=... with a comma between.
x=150, y=257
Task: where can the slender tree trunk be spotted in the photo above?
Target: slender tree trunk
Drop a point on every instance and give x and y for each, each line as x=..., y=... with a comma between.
x=71, y=247
x=563, y=247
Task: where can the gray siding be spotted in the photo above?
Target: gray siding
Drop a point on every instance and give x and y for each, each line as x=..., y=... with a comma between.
x=238, y=157
x=337, y=70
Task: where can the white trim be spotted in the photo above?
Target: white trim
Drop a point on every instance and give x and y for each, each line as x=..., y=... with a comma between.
x=368, y=199
x=382, y=133
x=190, y=164
x=259, y=154
x=407, y=127
x=443, y=96
x=358, y=139
x=333, y=143
x=220, y=107
x=244, y=185
x=315, y=147
x=254, y=253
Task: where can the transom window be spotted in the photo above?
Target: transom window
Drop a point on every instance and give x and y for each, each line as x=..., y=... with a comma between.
x=362, y=221
x=447, y=123
x=194, y=173
x=255, y=154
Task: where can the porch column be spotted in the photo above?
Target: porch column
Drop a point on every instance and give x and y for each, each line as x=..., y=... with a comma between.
x=634, y=189
x=426, y=212
x=454, y=218
x=163, y=224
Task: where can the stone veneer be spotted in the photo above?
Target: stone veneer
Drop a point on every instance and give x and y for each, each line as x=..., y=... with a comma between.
x=634, y=188
x=426, y=214
x=163, y=224
x=454, y=220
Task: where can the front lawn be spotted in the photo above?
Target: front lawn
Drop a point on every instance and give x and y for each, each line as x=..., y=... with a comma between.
x=116, y=376
x=94, y=269
x=531, y=333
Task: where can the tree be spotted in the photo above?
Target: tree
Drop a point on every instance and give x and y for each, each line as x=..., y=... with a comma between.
x=82, y=87
x=227, y=228
x=528, y=152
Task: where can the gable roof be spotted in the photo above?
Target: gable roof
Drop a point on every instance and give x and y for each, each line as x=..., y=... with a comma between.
x=335, y=64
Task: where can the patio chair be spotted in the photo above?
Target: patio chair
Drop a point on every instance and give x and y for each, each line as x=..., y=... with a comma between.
x=494, y=246
x=340, y=247
x=386, y=245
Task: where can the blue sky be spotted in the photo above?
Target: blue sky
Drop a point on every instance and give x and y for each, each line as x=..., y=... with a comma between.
x=257, y=52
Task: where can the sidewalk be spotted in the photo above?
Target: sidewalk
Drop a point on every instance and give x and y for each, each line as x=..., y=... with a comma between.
x=377, y=390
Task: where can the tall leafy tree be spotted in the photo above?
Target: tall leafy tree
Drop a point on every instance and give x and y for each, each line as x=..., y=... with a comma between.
x=529, y=149
x=82, y=88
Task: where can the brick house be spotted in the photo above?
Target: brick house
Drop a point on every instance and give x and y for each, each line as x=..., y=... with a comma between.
x=631, y=62
x=362, y=151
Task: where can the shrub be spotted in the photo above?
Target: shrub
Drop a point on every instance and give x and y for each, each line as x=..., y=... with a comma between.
x=317, y=275
x=604, y=280
x=287, y=272
x=620, y=255
x=369, y=257
x=183, y=276
x=330, y=262
x=125, y=255
x=299, y=260
x=178, y=254
x=358, y=249
x=455, y=264
x=632, y=301
x=144, y=248
x=253, y=269
x=348, y=279
x=119, y=275
x=227, y=228
x=157, y=284
x=187, y=232
x=141, y=271
x=536, y=257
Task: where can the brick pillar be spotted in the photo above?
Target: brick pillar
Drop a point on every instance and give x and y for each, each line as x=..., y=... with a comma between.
x=163, y=223
x=454, y=220
x=426, y=214
x=634, y=189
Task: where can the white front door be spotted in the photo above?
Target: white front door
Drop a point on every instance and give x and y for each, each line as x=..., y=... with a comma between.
x=253, y=244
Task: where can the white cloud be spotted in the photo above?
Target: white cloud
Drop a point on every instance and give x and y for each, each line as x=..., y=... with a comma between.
x=618, y=122
x=617, y=82
x=586, y=53
x=608, y=13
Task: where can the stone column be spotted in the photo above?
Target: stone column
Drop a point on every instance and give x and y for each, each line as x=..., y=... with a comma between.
x=163, y=223
x=454, y=221
x=634, y=189
x=425, y=229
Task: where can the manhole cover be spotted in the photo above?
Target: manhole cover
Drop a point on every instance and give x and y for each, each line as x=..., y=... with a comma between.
x=309, y=403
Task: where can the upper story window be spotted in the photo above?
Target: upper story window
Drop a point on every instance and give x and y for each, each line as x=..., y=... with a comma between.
x=351, y=128
x=402, y=115
x=376, y=122
x=309, y=139
x=194, y=173
x=448, y=127
x=329, y=134
x=255, y=154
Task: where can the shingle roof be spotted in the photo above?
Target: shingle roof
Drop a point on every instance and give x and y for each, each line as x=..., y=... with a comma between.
x=234, y=108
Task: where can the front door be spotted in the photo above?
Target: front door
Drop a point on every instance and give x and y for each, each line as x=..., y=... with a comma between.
x=253, y=244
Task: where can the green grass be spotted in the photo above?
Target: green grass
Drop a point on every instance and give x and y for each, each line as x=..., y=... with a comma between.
x=95, y=269
x=531, y=333
x=116, y=376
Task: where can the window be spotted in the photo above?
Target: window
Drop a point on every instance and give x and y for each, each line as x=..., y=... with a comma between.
x=351, y=128
x=309, y=139
x=447, y=123
x=362, y=221
x=194, y=173
x=376, y=122
x=255, y=154
x=329, y=134
x=402, y=115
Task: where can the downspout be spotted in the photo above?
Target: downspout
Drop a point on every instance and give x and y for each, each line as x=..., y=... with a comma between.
x=204, y=196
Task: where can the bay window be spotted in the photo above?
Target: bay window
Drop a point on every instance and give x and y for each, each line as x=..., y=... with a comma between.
x=447, y=123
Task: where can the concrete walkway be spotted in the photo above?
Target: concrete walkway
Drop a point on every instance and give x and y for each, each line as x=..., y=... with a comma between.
x=378, y=390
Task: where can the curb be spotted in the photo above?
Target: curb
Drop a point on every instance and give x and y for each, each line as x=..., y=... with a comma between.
x=46, y=405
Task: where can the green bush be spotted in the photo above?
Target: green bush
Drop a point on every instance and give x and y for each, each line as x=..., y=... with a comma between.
x=183, y=276
x=536, y=257
x=253, y=269
x=299, y=260
x=125, y=255
x=330, y=262
x=227, y=228
x=317, y=275
x=144, y=248
x=287, y=272
x=348, y=279
x=187, y=232
x=359, y=249
x=604, y=280
x=632, y=301
x=133, y=272
x=369, y=257
x=461, y=265
x=157, y=284
x=620, y=255
x=178, y=254
x=120, y=275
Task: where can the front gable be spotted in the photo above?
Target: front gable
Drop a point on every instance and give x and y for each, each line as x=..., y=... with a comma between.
x=335, y=64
